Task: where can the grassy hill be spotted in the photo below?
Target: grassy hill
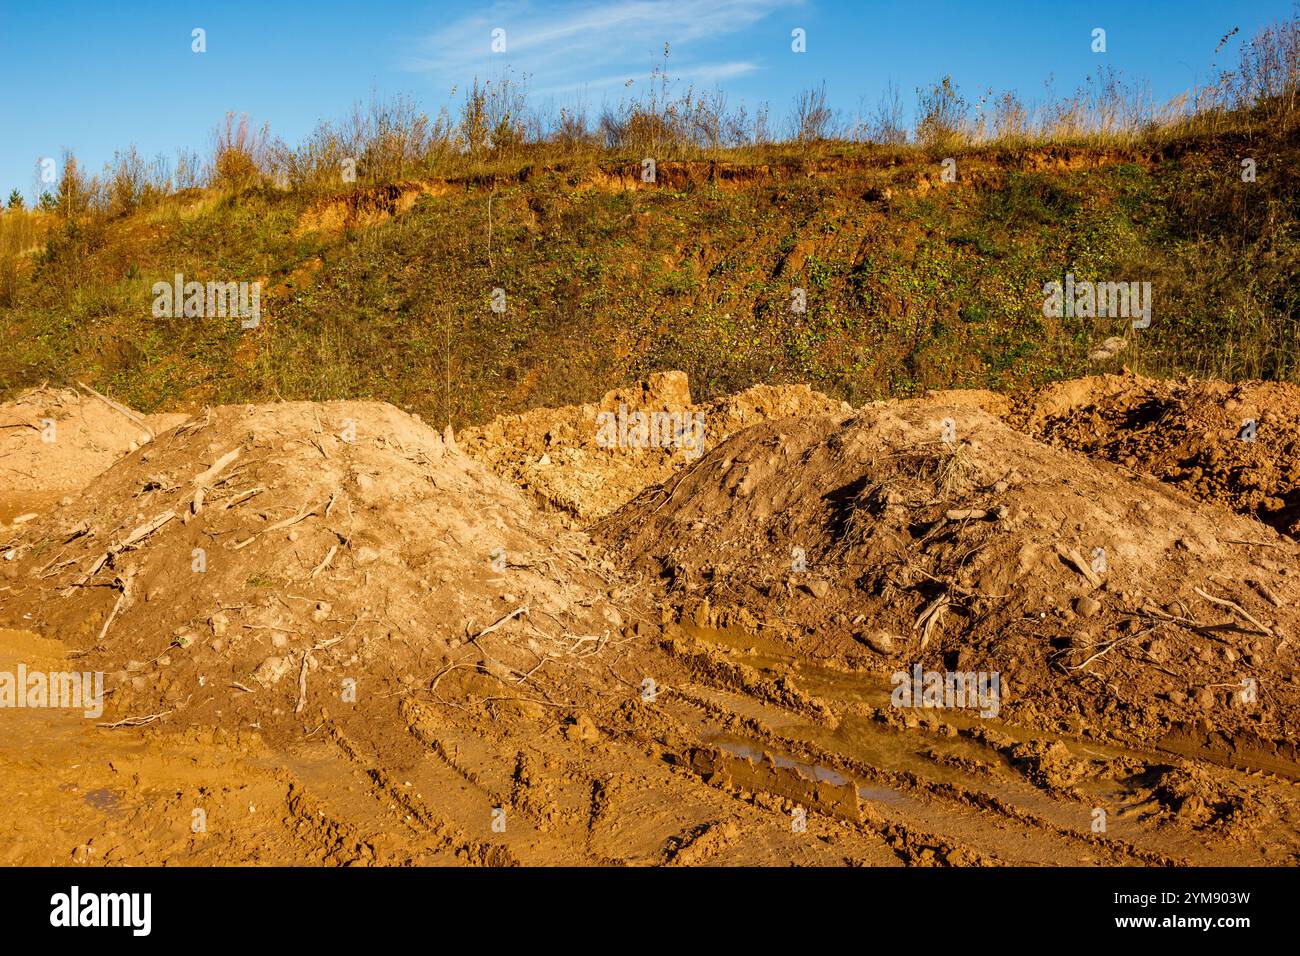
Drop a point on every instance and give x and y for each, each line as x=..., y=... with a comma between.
x=384, y=288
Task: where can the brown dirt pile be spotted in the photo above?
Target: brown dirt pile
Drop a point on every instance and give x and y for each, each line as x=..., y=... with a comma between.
x=54, y=439
x=1188, y=433
x=312, y=620
x=981, y=555
x=254, y=551
x=558, y=456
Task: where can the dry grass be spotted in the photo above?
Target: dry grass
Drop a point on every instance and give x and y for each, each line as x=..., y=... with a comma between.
x=494, y=129
x=21, y=234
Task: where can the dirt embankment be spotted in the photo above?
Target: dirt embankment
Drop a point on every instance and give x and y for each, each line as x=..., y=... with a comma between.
x=54, y=440
x=1236, y=443
x=584, y=461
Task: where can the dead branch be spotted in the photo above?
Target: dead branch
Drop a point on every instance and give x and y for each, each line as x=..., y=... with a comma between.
x=120, y=409
x=1074, y=559
x=1234, y=606
x=204, y=478
x=136, y=721
x=325, y=563
x=929, y=617
x=492, y=627
x=121, y=600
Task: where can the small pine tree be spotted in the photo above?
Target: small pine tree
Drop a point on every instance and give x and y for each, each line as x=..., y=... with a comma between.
x=15, y=199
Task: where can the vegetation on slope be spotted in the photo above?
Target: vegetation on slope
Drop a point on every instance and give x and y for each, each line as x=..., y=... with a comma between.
x=384, y=287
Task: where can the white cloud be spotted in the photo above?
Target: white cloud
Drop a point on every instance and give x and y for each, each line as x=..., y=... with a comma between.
x=592, y=44
x=704, y=73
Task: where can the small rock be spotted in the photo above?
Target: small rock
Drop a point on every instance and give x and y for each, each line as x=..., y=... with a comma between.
x=83, y=854
x=272, y=670
x=879, y=641
x=817, y=587
x=1086, y=606
x=582, y=728
x=1191, y=807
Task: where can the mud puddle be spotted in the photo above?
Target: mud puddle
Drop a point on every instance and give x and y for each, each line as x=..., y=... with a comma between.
x=876, y=743
x=755, y=752
x=948, y=755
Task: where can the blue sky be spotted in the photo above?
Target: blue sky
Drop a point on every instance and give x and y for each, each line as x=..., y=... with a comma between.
x=96, y=76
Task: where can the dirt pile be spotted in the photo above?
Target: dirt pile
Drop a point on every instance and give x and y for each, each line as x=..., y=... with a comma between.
x=930, y=535
x=346, y=642
x=56, y=440
x=584, y=461
x=1236, y=443
x=256, y=558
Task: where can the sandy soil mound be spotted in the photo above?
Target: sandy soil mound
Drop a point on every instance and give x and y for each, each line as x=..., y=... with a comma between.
x=56, y=440
x=214, y=570
x=1107, y=602
x=1195, y=435
x=346, y=642
x=562, y=457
